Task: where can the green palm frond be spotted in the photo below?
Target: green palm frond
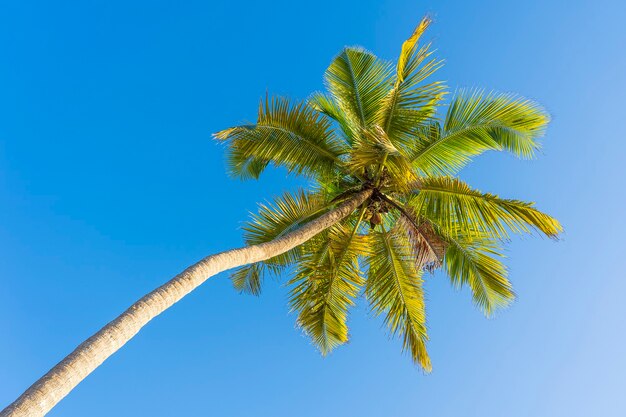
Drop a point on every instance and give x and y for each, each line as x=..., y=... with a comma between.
x=394, y=288
x=477, y=122
x=294, y=136
x=327, y=281
x=515, y=122
x=451, y=203
x=245, y=167
x=410, y=103
x=273, y=220
x=285, y=214
x=327, y=105
x=249, y=279
x=472, y=259
x=357, y=81
x=374, y=151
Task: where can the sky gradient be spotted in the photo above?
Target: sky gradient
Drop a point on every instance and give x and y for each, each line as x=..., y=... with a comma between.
x=110, y=184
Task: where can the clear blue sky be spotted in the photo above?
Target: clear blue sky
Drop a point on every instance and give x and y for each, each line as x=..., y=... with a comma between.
x=110, y=184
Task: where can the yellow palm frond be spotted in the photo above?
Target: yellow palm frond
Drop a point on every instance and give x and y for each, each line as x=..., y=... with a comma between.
x=411, y=102
x=327, y=281
x=473, y=259
x=294, y=136
x=394, y=289
x=451, y=203
x=408, y=48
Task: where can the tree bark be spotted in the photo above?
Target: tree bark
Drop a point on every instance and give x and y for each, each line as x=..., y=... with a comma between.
x=44, y=394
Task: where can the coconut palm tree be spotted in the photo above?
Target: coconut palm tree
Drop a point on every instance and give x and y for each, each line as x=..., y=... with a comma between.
x=383, y=207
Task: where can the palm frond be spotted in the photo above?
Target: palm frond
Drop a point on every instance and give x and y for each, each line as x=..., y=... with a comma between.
x=327, y=105
x=327, y=280
x=374, y=151
x=477, y=122
x=294, y=136
x=394, y=288
x=408, y=49
x=273, y=220
x=285, y=214
x=451, y=203
x=472, y=259
x=410, y=103
x=357, y=81
x=249, y=279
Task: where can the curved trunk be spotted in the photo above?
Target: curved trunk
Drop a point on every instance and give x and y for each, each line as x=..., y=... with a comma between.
x=60, y=380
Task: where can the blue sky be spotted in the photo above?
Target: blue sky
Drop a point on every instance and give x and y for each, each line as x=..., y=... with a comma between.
x=110, y=184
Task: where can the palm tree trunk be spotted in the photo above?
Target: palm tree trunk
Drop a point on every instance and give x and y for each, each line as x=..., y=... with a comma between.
x=60, y=380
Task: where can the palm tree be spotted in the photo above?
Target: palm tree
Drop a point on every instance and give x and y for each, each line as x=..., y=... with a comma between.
x=383, y=207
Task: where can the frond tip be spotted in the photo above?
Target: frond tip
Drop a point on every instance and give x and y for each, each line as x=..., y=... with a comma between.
x=408, y=47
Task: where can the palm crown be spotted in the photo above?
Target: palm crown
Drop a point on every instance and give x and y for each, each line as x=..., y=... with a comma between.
x=377, y=128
